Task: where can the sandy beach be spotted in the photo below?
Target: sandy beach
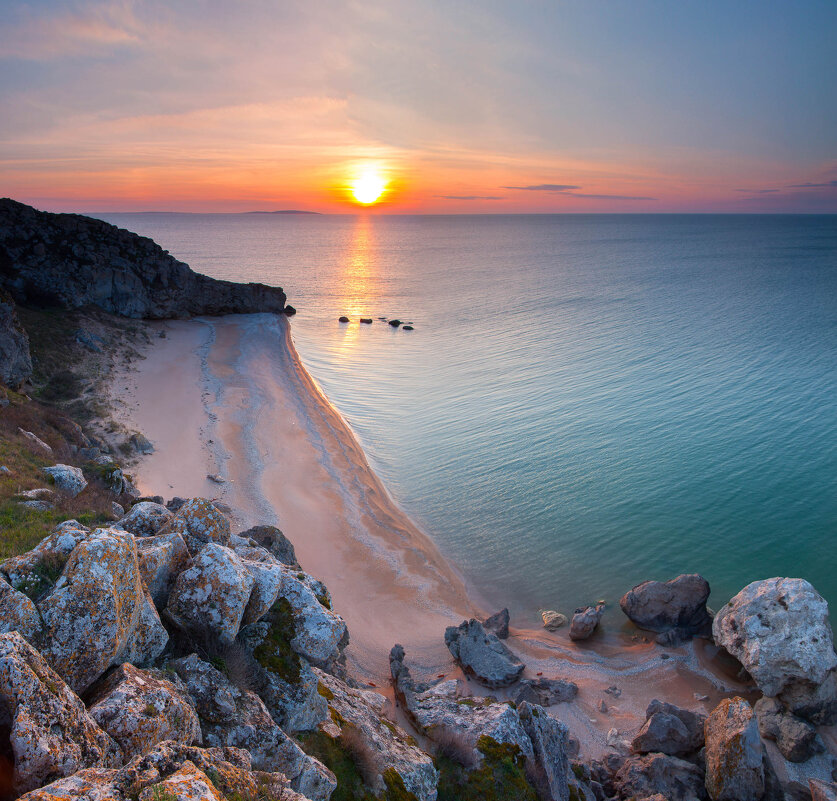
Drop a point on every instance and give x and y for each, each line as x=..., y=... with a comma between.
x=230, y=396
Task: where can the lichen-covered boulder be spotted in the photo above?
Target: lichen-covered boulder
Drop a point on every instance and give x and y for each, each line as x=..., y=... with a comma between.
x=139, y=709
x=150, y=636
x=822, y=791
x=549, y=739
x=734, y=761
x=67, y=478
x=89, y=784
x=481, y=654
x=268, y=577
x=199, y=522
x=678, y=605
x=668, y=729
x=389, y=746
x=161, y=559
x=51, y=733
x=209, y=598
x=18, y=613
x=231, y=717
x=651, y=774
x=319, y=632
x=186, y=784
x=779, y=630
x=92, y=614
x=441, y=711
x=146, y=518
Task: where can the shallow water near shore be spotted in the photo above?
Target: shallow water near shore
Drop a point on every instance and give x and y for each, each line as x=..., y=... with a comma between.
x=585, y=401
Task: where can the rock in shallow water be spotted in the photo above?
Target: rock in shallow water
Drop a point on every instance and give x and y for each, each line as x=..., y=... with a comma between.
x=552, y=620
x=585, y=621
x=678, y=604
x=481, y=654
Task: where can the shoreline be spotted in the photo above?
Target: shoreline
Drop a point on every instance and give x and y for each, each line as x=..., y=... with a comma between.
x=231, y=396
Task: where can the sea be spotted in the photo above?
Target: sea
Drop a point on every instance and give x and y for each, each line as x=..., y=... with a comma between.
x=586, y=401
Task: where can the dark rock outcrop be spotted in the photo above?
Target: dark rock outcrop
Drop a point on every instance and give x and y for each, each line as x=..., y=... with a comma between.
x=498, y=624
x=795, y=738
x=15, y=361
x=71, y=261
x=677, y=606
x=669, y=730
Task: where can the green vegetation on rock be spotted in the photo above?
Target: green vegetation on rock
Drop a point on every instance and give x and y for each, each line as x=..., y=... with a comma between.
x=275, y=652
x=501, y=777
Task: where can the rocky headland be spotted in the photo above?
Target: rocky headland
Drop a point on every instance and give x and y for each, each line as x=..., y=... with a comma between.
x=161, y=650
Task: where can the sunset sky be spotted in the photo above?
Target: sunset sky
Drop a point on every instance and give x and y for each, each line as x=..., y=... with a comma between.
x=483, y=106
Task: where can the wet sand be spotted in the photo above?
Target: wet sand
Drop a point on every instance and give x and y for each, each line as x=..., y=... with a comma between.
x=230, y=396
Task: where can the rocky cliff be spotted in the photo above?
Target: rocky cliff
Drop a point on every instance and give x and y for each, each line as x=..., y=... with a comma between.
x=73, y=261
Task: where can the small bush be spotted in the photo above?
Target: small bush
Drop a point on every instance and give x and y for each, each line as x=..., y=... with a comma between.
x=275, y=652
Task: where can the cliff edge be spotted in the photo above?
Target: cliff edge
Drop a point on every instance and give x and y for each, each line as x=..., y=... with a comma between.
x=72, y=261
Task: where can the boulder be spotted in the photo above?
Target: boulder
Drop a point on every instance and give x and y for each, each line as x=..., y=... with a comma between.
x=161, y=559
x=441, y=712
x=146, y=518
x=15, y=361
x=677, y=605
x=231, y=717
x=18, y=613
x=141, y=443
x=796, y=739
x=37, y=570
x=273, y=540
x=552, y=620
x=92, y=615
x=52, y=734
x=67, y=478
x=209, y=598
x=498, y=624
x=389, y=746
x=669, y=730
x=35, y=441
x=549, y=739
x=150, y=637
x=816, y=703
x=672, y=778
x=734, y=762
x=268, y=577
x=139, y=709
x=545, y=692
x=343, y=319
x=188, y=783
x=481, y=654
x=779, y=630
x=584, y=621
x=319, y=633
x=296, y=705
x=199, y=522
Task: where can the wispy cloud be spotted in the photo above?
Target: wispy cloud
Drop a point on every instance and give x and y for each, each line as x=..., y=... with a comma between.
x=757, y=191
x=470, y=197
x=545, y=187
x=568, y=190
x=827, y=184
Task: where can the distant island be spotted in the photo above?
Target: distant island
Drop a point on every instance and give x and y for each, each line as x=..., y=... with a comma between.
x=281, y=211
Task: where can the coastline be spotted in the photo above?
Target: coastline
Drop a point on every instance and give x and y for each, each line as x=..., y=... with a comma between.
x=230, y=396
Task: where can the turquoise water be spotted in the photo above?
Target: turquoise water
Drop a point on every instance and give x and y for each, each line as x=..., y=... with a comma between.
x=586, y=401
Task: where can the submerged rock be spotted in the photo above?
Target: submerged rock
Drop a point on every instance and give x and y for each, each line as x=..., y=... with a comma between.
x=343, y=319
x=481, y=654
x=677, y=605
x=734, y=764
x=552, y=620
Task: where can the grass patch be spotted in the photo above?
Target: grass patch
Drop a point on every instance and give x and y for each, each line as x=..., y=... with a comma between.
x=275, y=653
x=502, y=776
x=338, y=759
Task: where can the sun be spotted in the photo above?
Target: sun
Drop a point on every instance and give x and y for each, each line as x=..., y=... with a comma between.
x=368, y=187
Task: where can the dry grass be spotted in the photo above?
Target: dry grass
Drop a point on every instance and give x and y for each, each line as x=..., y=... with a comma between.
x=356, y=745
x=455, y=746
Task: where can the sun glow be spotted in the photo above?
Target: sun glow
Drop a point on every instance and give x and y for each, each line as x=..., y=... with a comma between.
x=368, y=186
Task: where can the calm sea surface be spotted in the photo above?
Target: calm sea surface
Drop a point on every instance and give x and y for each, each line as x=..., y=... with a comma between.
x=586, y=401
